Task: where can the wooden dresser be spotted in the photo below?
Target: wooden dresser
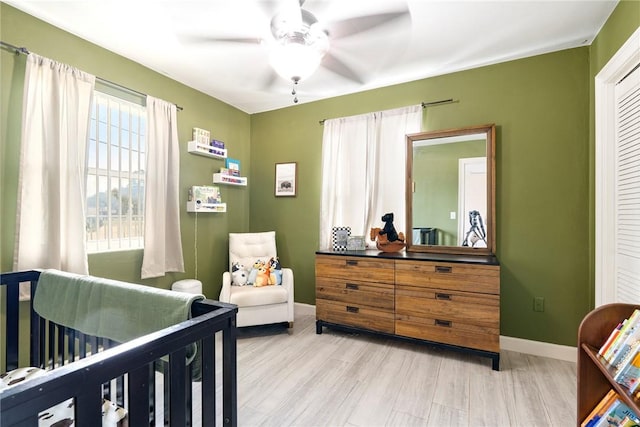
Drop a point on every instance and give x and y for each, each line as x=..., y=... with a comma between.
x=450, y=301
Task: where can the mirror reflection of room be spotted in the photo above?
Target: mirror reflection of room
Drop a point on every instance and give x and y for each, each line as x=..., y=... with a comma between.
x=450, y=191
x=450, y=186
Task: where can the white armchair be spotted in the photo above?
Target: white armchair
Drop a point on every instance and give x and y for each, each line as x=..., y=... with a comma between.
x=257, y=305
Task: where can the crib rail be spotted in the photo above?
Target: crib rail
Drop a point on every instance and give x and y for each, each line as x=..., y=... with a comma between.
x=132, y=363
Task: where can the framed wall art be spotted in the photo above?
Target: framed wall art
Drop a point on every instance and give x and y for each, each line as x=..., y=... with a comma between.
x=286, y=181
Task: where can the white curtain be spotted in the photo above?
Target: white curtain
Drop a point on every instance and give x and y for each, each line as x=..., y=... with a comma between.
x=51, y=186
x=363, y=170
x=162, y=242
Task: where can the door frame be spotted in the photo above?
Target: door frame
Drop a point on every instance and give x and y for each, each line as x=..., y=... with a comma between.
x=621, y=64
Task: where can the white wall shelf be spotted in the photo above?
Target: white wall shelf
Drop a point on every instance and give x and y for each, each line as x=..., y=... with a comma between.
x=220, y=178
x=193, y=206
x=195, y=147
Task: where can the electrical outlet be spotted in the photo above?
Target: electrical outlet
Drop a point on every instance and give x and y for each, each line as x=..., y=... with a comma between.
x=538, y=304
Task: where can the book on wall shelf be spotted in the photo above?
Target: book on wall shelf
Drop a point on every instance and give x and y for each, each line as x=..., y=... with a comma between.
x=206, y=150
x=232, y=166
x=205, y=198
x=222, y=178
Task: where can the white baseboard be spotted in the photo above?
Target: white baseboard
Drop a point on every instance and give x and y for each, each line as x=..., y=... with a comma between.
x=539, y=348
x=536, y=348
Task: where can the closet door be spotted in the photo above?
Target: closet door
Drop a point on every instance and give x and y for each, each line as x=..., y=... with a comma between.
x=627, y=189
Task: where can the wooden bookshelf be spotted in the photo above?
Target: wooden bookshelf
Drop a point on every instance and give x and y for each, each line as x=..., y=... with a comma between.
x=595, y=377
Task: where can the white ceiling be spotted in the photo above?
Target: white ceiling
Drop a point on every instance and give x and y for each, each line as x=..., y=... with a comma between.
x=435, y=38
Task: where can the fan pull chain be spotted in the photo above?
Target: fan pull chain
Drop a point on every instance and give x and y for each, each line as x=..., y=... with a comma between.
x=293, y=91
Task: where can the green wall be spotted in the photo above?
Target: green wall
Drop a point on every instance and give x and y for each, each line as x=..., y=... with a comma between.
x=543, y=109
x=225, y=123
x=540, y=107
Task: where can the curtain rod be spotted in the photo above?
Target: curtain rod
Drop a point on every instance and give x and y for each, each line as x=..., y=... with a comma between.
x=25, y=51
x=422, y=104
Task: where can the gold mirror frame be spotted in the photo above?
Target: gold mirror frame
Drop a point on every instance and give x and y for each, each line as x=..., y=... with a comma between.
x=490, y=221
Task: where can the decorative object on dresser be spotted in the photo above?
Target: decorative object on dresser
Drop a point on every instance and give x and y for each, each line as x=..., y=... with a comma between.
x=446, y=300
x=340, y=238
x=387, y=238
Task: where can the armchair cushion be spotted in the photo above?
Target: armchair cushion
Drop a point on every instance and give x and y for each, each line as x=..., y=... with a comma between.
x=248, y=296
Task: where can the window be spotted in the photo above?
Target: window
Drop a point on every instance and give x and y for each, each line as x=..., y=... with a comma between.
x=115, y=175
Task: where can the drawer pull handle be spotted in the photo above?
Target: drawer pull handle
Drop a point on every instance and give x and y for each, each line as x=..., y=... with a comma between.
x=443, y=269
x=352, y=286
x=351, y=309
x=445, y=323
x=352, y=262
x=443, y=297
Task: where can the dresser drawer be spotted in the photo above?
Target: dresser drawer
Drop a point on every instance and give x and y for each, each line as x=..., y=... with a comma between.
x=479, y=309
x=354, y=292
x=355, y=315
x=458, y=318
x=450, y=276
x=449, y=332
x=355, y=268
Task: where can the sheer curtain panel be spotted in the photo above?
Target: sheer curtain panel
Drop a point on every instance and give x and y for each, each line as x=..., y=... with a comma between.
x=162, y=242
x=50, y=231
x=363, y=170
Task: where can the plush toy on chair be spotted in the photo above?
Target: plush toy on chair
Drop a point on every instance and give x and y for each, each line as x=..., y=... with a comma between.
x=264, y=295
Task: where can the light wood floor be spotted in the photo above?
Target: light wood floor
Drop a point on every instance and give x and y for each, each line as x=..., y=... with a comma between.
x=298, y=378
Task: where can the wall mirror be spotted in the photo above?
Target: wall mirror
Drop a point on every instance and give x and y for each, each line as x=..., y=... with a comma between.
x=450, y=191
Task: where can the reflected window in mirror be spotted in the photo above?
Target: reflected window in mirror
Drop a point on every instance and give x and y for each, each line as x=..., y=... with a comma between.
x=450, y=190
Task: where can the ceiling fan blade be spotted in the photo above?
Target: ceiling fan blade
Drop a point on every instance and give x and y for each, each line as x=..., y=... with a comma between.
x=331, y=63
x=210, y=39
x=269, y=80
x=350, y=26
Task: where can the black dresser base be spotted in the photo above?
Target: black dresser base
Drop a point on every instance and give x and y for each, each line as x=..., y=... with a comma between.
x=495, y=357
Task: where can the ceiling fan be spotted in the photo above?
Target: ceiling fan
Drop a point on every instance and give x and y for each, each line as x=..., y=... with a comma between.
x=299, y=43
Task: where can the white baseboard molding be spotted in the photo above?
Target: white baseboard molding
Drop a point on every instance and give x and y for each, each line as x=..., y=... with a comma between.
x=536, y=348
x=539, y=348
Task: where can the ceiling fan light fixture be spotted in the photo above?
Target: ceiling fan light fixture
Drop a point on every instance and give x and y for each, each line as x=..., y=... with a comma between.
x=296, y=51
x=295, y=61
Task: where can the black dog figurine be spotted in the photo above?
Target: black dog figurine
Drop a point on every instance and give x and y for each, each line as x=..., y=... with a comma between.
x=389, y=229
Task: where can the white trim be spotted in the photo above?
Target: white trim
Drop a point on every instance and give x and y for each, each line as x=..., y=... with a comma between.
x=618, y=66
x=539, y=348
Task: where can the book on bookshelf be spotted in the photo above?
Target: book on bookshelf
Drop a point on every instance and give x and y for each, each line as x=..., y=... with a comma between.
x=630, y=331
x=614, y=414
x=612, y=337
x=628, y=422
x=629, y=374
x=599, y=409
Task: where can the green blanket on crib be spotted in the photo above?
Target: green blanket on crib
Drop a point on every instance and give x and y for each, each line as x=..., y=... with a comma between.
x=108, y=308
